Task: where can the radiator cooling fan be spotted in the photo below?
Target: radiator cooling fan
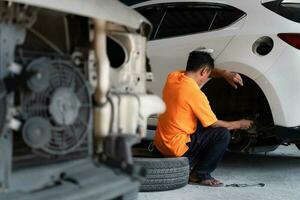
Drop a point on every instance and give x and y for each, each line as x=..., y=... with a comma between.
x=56, y=107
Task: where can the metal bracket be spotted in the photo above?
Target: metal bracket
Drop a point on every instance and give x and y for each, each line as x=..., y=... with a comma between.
x=10, y=36
x=117, y=154
x=6, y=159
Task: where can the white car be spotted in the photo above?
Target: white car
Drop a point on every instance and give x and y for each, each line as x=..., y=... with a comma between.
x=259, y=39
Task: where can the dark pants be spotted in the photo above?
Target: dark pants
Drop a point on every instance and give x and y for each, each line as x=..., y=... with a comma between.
x=206, y=149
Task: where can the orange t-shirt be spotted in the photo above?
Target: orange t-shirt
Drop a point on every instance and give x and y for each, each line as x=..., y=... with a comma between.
x=185, y=103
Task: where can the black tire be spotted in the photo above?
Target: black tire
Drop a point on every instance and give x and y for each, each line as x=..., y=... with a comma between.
x=163, y=173
x=129, y=196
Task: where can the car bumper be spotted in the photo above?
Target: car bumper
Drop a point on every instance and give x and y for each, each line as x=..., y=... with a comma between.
x=288, y=134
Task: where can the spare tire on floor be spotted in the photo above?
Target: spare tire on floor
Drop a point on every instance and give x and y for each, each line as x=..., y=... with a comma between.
x=163, y=173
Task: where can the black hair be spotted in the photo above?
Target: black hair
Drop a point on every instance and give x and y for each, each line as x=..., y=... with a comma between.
x=198, y=60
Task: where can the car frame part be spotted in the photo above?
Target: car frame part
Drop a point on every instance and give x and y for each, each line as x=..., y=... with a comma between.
x=121, y=104
x=82, y=181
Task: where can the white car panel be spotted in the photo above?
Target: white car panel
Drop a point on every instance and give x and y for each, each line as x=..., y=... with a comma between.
x=239, y=57
x=167, y=55
x=282, y=90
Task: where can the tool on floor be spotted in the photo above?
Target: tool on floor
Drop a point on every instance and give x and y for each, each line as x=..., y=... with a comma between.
x=245, y=185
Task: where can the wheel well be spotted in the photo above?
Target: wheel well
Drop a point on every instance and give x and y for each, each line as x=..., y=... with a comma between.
x=247, y=102
x=231, y=104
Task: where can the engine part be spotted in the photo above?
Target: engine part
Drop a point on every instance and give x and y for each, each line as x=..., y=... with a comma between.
x=5, y=139
x=10, y=36
x=6, y=159
x=241, y=141
x=65, y=103
x=19, y=14
x=39, y=75
x=64, y=106
x=102, y=110
x=37, y=132
x=13, y=22
x=77, y=58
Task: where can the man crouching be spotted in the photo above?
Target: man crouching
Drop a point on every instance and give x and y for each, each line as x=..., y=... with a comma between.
x=189, y=127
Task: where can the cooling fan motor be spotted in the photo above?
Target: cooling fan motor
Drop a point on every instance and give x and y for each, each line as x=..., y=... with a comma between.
x=56, y=106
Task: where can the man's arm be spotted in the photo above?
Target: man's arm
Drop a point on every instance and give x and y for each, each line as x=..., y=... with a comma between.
x=232, y=125
x=233, y=78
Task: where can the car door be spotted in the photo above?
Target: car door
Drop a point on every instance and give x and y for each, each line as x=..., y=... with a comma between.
x=179, y=28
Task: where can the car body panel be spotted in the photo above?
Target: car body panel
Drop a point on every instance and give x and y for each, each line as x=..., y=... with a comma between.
x=281, y=86
x=167, y=55
x=239, y=57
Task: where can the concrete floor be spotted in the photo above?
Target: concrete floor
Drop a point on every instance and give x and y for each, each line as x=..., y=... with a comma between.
x=279, y=170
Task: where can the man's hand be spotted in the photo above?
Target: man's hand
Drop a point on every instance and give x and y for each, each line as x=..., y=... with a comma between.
x=245, y=124
x=233, y=78
x=242, y=124
x=234, y=125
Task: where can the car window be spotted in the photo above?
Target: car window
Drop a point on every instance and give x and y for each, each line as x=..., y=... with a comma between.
x=132, y=2
x=225, y=17
x=180, y=21
x=289, y=9
x=155, y=15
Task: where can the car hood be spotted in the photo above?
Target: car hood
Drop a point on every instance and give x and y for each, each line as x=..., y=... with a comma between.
x=110, y=10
